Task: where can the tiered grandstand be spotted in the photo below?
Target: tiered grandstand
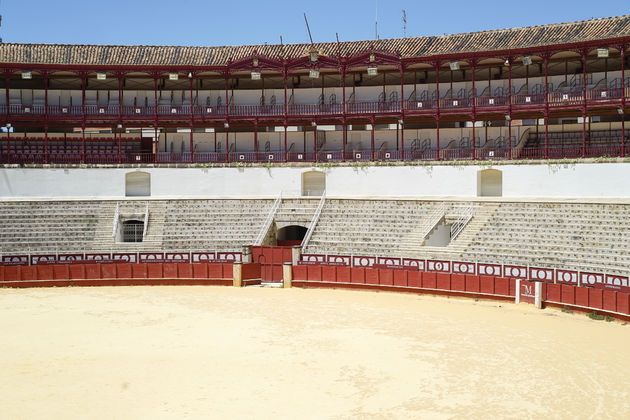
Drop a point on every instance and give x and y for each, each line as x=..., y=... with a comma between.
x=501, y=148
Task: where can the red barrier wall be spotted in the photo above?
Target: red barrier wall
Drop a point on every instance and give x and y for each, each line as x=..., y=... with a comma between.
x=429, y=280
x=27, y=273
x=250, y=271
x=108, y=271
x=486, y=284
x=96, y=274
x=169, y=271
x=372, y=276
x=472, y=284
x=400, y=278
x=414, y=279
x=443, y=281
x=200, y=271
x=184, y=271
x=329, y=273
x=343, y=274
x=155, y=271
x=212, y=271
x=357, y=275
x=458, y=282
x=299, y=273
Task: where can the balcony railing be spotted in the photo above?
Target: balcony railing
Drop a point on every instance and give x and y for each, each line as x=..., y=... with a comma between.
x=570, y=98
x=76, y=156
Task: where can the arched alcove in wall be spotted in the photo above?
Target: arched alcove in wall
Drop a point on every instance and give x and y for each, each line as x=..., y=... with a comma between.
x=137, y=184
x=313, y=183
x=490, y=183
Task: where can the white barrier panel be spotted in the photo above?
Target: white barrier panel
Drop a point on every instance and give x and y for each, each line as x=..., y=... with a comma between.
x=439, y=266
x=198, y=257
x=338, y=259
x=363, y=261
x=464, y=268
x=419, y=264
x=125, y=257
x=567, y=277
x=515, y=272
x=313, y=258
x=489, y=270
x=541, y=274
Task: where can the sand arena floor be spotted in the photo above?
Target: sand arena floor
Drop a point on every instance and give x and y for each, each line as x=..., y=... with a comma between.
x=221, y=352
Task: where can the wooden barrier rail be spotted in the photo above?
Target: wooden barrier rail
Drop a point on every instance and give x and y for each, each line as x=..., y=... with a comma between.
x=121, y=274
x=611, y=302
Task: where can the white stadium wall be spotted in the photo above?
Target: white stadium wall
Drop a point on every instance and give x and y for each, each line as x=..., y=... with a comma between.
x=585, y=180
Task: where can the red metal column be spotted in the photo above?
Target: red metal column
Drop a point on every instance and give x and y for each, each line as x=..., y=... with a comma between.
x=343, y=113
x=119, y=129
x=437, y=101
x=437, y=126
x=546, y=112
x=285, y=141
x=155, y=116
x=623, y=102
x=372, y=141
x=120, y=97
x=474, y=113
x=584, y=114
x=314, y=142
x=510, y=136
x=284, y=77
x=256, y=140
x=227, y=116
x=509, y=59
x=192, y=118
x=83, y=139
x=83, y=83
x=343, y=140
x=46, y=117
x=402, y=114
x=8, y=142
x=227, y=142
x=6, y=86
x=473, y=137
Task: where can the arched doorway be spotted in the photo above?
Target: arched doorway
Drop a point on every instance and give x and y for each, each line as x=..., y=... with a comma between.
x=291, y=235
x=138, y=184
x=490, y=183
x=313, y=183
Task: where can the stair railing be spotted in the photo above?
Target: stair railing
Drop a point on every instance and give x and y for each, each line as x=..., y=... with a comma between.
x=462, y=220
x=116, y=217
x=311, y=228
x=146, y=221
x=268, y=221
x=429, y=222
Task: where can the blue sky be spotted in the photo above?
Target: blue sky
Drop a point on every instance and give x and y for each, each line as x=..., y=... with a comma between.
x=197, y=22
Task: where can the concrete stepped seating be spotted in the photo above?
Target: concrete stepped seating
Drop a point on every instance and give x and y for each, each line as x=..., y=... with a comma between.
x=225, y=225
x=36, y=226
x=589, y=237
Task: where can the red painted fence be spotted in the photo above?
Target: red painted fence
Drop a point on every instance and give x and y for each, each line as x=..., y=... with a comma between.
x=409, y=279
x=122, y=274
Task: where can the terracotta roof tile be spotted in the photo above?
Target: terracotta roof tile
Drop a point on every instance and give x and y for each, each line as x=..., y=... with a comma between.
x=409, y=47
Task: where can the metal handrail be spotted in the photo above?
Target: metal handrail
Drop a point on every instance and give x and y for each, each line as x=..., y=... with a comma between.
x=311, y=228
x=146, y=221
x=429, y=222
x=461, y=221
x=116, y=217
x=268, y=221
